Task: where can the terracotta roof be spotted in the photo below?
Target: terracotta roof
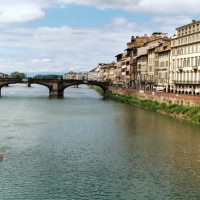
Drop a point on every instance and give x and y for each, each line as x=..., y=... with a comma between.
x=118, y=54
x=142, y=55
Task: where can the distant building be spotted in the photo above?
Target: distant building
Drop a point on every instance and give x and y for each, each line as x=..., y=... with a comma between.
x=2, y=75
x=70, y=75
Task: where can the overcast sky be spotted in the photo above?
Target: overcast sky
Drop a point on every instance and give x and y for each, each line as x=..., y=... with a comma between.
x=57, y=36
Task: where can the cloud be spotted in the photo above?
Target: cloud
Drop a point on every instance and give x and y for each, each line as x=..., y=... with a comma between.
x=21, y=11
x=152, y=7
x=63, y=49
x=66, y=48
x=44, y=60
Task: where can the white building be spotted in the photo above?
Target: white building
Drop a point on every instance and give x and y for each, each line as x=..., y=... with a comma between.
x=185, y=59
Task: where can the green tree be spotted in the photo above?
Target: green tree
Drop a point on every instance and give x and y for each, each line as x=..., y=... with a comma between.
x=48, y=76
x=17, y=75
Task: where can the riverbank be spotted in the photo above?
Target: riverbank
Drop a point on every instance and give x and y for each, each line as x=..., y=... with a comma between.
x=184, y=112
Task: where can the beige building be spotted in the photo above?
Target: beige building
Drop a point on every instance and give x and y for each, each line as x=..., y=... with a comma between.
x=112, y=72
x=120, y=72
x=69, y=75
x=163, y=53
x=2, y=75
x=142, y=63
x=131, y=58
x=185, y=59
x=79, y=76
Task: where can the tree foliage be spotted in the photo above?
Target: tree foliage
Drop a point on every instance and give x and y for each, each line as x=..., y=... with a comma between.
x=17, y=75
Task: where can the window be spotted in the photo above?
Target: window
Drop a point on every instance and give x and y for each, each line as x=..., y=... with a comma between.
x=182, y=41
x=185, y=40
x=181, y=63
x=173, y=63
x=196, y=61
x=181, y=51
x=188, y=62
x=184, y=63
x=192, y=61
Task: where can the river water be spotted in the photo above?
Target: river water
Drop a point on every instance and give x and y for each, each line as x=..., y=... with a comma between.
x=85, y=147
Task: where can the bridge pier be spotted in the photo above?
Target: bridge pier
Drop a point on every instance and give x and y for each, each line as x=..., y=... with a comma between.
x=56, y=93
x=28, y=84
x=56, y=90
x=75, y=86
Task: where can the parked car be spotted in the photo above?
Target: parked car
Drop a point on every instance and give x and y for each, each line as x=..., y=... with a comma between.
x=197, y=90
x=160, y=88
x=154, y=87
x=120, y=84
x=125, y=86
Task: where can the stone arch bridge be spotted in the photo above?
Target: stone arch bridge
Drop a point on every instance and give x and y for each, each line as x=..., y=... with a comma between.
x=56, y=86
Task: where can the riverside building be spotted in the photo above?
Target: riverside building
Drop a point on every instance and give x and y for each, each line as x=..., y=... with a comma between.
x=185, y=59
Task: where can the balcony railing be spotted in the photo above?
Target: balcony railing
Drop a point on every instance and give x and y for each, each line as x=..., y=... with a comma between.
x=187, y=82
x=195, y=67
x=180, y=68
x=150, y=81
x=142, y=80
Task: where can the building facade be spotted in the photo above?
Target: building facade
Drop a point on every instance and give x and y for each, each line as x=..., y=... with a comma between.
x=185, y=59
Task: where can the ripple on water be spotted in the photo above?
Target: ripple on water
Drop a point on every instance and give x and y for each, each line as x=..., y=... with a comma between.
x=5, y=148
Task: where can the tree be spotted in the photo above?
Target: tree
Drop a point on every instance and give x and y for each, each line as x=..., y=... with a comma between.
x=48, y=76
x=17, y=75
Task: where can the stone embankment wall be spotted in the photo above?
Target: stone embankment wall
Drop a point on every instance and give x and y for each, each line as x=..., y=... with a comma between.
x=161, y=97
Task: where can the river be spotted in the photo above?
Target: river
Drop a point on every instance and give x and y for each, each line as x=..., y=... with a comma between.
x=85, y=147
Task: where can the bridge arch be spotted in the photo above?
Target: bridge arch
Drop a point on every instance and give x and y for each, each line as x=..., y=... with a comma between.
x=95, y=84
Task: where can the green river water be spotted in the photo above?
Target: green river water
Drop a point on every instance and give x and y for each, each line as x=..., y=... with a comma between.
x=85, y=147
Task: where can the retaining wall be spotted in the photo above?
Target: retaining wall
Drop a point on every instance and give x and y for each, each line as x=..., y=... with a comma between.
x=161, y=97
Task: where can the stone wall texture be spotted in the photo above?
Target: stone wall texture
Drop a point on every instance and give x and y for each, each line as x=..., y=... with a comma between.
x=161, y=97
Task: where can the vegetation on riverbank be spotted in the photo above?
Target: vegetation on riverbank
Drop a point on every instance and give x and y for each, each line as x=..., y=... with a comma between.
x=98, y=89
x=175, y=110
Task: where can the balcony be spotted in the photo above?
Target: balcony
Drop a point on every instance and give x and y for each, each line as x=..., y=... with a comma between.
x=142, y=80
x=150, y=81
x=194, y=67
x=187, y=82
x=180, y=68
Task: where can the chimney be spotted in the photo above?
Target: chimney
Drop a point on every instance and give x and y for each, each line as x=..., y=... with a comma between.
x=193, y=21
